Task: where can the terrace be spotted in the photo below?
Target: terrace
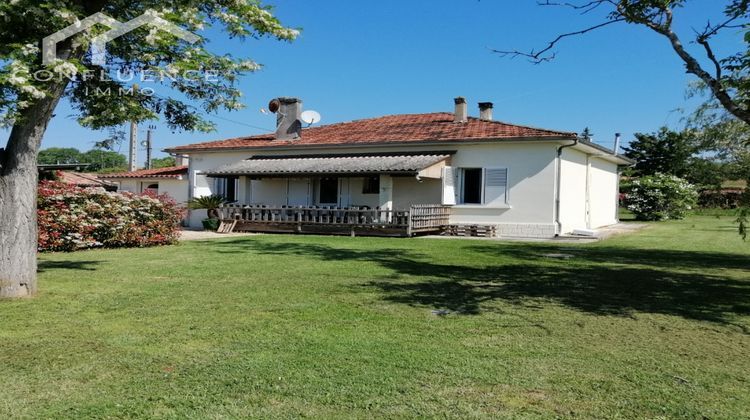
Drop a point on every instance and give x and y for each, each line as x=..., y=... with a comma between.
x=354, y=221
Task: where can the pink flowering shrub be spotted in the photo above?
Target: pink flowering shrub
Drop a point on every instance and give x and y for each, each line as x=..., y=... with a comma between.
x=72, y=218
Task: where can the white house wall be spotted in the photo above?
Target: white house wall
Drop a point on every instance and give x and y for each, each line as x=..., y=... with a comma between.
x=531, y=185
x=573, y=191
x=356, y=198
x=531, y=173
x=200, y=185
x=408, y=191
x=129, y=185
x=603, y=193
x=269, y=192
x=175, y=188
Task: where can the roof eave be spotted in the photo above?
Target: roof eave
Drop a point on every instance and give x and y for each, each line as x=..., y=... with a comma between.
x=118, y=178
x=310, y=174
x=607, y=153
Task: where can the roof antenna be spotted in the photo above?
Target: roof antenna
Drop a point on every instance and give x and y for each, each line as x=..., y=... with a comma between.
x=310, y=117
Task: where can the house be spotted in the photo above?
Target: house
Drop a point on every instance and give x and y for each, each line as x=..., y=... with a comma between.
x=69, y=174
x=405, y=171
x=85, y=180
x=172, y=181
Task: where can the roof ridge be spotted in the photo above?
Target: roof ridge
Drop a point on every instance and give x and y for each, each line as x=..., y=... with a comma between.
x=388, y=129
x=524, y=126
x=307, y=129
x=145, y=172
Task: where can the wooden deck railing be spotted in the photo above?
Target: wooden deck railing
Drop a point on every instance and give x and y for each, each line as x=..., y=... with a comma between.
x=419, y=218
x=428, y=217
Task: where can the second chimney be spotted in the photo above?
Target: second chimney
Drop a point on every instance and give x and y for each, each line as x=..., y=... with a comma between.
x=288, y=123
x=462, y=113
x=485, y=111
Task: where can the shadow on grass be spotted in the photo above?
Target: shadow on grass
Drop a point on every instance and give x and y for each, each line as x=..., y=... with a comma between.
x=606, y=254
x=601, y=280
x=43, y=266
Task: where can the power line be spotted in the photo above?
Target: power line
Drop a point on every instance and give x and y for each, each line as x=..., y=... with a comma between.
x=239, y=123
x=265, y=130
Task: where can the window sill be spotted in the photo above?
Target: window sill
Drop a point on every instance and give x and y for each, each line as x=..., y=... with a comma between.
x=482, y=206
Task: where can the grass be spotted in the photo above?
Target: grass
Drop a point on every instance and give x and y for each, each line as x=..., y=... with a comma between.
x=651, y=325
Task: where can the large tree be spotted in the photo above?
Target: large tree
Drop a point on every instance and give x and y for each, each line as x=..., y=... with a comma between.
x=102, y=94
x=678, y=153
x=666, y=152
x=164, y=162
x=97, y=160
x=726, y=77
x=57, y=155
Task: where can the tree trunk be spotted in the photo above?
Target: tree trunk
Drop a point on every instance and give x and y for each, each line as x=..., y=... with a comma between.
x=18, y=197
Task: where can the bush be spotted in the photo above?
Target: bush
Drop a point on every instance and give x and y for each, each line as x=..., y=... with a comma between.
x=211, y=224
x=72, y=218
x=660, y=197
x=727, y=198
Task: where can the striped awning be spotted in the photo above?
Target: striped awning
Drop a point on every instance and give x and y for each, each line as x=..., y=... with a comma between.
x=330, y=165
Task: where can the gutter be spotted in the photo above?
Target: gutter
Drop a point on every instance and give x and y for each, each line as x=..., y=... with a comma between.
x=558, y=184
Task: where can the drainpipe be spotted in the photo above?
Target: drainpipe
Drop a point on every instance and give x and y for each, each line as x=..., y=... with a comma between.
x=558, y=185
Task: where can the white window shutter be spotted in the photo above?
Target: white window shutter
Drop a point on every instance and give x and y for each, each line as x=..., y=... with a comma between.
x=220, y=186
x=495, y=185
x=201, y=184
x=449, y=186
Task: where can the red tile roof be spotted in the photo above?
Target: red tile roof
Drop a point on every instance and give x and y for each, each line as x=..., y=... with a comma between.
x=83, y=179
x=410, y=128
x=169, y=172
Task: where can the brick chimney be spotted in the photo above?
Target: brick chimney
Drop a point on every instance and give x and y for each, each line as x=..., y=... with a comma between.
x=288, y=122
x=461, y=115
x=485, y=111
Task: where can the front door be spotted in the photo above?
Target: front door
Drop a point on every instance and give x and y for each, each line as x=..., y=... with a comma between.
x=328, y=192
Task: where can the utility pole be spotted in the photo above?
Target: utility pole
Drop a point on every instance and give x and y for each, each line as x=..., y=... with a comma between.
x=149, y=145
x=133, y=155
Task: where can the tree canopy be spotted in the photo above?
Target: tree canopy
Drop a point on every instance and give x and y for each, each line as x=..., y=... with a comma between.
x=97, y=160
x=164, y=59
x=164, y=162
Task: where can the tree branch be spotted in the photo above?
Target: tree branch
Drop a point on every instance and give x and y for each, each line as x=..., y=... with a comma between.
x=539, y=56
x=586, y=7
x=693, y=66
x=711, y=56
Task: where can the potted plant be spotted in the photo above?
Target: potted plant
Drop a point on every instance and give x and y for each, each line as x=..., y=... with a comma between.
x=210, y=203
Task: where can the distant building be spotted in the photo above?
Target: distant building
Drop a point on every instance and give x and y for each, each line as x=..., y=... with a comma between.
x=172, y=181
x=68, y=173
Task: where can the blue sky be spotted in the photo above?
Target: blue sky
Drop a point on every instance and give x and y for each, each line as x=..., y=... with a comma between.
x=365, y=59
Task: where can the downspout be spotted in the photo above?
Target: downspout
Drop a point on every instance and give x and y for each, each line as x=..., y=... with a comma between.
x=587, y=215
x=558, y=184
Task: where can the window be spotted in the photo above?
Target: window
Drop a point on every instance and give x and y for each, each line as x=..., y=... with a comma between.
x=471, y=186
x=153, y=188
x=329, y=191
x=488, y=186
x=371, y=185
x=227, y=187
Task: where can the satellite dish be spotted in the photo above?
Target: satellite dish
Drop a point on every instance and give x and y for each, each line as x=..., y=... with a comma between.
x=310, y=117
x=274, y=105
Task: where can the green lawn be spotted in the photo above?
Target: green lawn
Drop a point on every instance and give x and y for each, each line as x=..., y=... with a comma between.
x=651, y=325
